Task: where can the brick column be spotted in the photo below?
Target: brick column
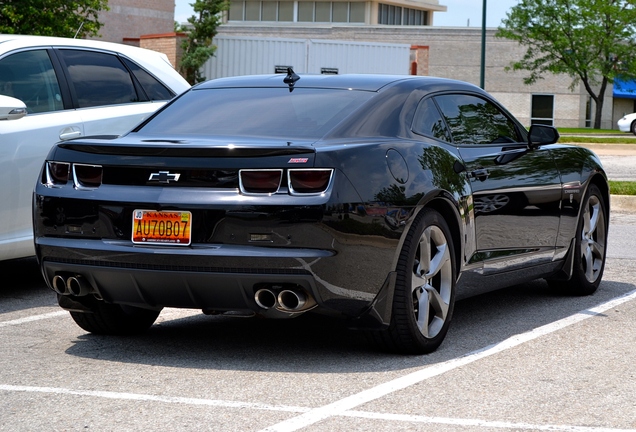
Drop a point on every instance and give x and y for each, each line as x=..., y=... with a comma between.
x=167, y=43
x=419, y=55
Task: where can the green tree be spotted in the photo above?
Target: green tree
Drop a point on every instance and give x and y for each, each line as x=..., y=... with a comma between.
x=51, y=17
x=592, y=41
x=198, y=48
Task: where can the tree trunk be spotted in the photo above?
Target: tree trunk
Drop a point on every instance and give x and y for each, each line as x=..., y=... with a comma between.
x=598, y=112
x=599, y=105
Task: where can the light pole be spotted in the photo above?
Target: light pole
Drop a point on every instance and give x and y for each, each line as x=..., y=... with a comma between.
x=483, y=48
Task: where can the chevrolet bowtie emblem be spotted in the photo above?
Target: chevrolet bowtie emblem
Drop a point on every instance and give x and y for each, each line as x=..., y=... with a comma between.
x=164, y=177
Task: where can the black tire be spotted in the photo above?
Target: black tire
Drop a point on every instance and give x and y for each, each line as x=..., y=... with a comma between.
x=405, y=334
x=112, y=319
x=633, y=127
x=590, y=246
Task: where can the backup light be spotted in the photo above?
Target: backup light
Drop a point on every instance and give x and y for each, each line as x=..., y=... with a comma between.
x=87, y=177
x=265, y=181
x=309, y=181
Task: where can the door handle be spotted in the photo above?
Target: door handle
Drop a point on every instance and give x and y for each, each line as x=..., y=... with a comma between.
x=69, y=133
x=480, y=174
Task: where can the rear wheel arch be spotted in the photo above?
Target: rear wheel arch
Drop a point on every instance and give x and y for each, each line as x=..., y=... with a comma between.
x=452, y=217
x=602, y=184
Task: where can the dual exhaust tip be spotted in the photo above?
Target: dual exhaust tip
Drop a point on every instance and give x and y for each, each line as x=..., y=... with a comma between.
x=287, y=300
x=74, y=285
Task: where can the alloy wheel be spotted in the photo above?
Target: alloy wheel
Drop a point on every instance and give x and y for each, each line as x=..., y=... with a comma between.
x=431, y=282
x=593, y=238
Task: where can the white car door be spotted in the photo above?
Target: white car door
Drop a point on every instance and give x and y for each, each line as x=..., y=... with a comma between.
x=25, y=142
x=116, y=119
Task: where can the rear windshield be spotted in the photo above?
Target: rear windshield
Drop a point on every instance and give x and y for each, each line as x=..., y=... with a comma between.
x=257, y=112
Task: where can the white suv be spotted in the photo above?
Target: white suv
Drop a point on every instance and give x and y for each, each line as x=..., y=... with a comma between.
x=54, y=89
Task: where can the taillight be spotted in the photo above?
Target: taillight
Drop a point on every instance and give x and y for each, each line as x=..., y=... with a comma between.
x=87, y=176
x=57, y=173
x=309, y=181
x=264, y=181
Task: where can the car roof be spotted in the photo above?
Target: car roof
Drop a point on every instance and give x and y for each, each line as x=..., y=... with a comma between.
x=151, y=60
x=9, y=42
x=366, y=82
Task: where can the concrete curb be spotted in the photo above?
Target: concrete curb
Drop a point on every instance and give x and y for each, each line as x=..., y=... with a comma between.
x=623, y=203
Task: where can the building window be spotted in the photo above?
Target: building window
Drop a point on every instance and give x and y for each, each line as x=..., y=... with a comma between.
x=308, y=11
x=396, y=15
x=542, y=111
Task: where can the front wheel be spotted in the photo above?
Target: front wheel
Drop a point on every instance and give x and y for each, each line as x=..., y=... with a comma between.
x=590, y=246
x=633, y=127
x=425, y=288
x=112, y=319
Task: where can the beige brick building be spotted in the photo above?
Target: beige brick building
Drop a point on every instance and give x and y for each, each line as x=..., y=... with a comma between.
x=128, y=20
x=436, y=51
x=456, y=53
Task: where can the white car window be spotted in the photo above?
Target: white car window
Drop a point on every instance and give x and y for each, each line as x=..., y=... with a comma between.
x=29, y=76
x=98, y=79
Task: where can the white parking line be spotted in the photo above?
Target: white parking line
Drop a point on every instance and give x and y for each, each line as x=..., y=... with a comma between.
x=153, y=398
x=338, y=408
x=33, y=318
x=344, y=407
x=293, y=409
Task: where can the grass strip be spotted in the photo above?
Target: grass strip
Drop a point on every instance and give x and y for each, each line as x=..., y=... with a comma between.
x=622, y=187
x=589, y=131
x=569, y=139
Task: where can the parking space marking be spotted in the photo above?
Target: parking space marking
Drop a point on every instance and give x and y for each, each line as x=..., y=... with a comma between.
x=345, y=407
x=153, y=398
x=479, y=423
x=339, y=407
x=33, y=318
x=292, y=409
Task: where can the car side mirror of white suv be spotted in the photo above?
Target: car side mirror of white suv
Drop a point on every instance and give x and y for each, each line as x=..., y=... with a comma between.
x=11, y=108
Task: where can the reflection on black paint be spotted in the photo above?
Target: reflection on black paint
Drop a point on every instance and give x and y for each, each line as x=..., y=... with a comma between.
x=441, y=164
x=473, y=120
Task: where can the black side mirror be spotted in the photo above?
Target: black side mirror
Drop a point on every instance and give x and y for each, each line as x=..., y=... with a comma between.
x=541, y=135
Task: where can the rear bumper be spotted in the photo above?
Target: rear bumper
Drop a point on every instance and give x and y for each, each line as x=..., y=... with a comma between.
x=218, y=278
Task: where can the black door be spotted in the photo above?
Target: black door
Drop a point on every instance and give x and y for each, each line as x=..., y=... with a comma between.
x=516, y=190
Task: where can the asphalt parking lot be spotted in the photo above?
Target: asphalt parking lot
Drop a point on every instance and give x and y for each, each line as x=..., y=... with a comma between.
x=522, y=358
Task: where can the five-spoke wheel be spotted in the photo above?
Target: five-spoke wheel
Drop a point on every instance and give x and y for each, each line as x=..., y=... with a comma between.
x=425, y=288
x=590, y=246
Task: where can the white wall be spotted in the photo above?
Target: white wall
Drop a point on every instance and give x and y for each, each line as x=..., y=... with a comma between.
x=236, y=55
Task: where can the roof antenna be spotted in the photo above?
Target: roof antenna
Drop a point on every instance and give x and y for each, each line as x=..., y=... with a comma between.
x=291, y=79
x=78, y=30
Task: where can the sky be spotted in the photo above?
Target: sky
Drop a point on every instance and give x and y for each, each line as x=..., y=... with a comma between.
x=458, y=14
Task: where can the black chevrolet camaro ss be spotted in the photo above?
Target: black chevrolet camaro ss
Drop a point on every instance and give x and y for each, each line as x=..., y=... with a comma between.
x=377, y=199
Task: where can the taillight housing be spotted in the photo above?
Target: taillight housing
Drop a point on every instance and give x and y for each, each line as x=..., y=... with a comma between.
x=87, y=177
x=57, y=173
x=309, y=181
x=261, y=181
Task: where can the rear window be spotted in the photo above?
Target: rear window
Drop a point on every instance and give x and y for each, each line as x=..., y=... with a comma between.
x=257, y=112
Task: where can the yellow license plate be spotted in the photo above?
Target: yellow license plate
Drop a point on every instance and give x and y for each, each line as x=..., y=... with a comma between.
x=161, y=227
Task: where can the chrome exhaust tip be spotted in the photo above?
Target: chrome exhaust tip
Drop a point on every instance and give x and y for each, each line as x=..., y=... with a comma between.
x=265, y=298
x=292, y=300
x=78, y=286
x=59, y=285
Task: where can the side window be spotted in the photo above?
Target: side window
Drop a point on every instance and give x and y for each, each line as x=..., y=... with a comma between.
x=428, y=121
x=98, y=78
x=473, y=120
x=30, y=77
x=153, y=88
